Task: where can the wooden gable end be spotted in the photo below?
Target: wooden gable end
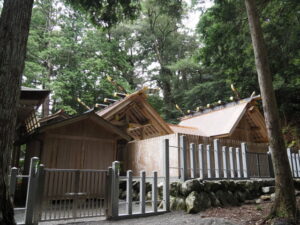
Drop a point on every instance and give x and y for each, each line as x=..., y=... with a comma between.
x=135, y=115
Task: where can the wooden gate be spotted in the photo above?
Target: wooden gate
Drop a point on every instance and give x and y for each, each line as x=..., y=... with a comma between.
x=70, y=194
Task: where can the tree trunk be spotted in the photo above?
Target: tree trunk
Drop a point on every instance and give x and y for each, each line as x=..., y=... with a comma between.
x=14, y=29
x=165, y=85
x=285, y=201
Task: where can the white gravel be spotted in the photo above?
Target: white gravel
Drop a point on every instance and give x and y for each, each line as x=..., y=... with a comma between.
x=172, y=218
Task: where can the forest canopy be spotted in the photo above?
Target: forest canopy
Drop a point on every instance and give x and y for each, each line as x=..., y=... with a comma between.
x=72, y=53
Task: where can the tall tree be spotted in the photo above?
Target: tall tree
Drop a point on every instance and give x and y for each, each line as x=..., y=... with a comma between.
x=14, y=29
x=285, y=202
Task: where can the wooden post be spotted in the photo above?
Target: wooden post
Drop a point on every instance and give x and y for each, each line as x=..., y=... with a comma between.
x=193, y=160
x=166, y=191
x=154, y=192
x=115, y=189
x=216, y=156
x=244, y=159
x=39, y=193
x=294, y=165
x=200, y=156
x=129, y=192
x=290, y=159
x=224, y=148
x=31, y=192
x=76, y=190
x=208, y=161
x=297, y=164
x=238, y=164
x=183, y=163
x=298, y=160
x=142, y=192
x=271, y=169
x=109, y=193
x=12, y=183
x=231, y=162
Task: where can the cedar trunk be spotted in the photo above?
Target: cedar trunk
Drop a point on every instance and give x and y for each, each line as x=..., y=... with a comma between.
x=14, y=29
x=285, y=201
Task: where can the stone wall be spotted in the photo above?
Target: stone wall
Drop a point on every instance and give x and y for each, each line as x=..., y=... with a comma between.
x=197, y=195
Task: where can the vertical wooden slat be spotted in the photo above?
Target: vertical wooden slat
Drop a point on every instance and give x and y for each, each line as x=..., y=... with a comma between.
x=142, y=191
x=115, y=203
x=154, y=192
x=238, y=164
x=224, y=149
x=244, y=159
x=290, y=159
x=231, y=162
x=166, y=191
x=109, y=193
x=298, y=163
x=129, y=192
x=294, y=165
x=193, y=160
x=201, y=164
x=216, y=157
x=208, y=161
x=183, y=162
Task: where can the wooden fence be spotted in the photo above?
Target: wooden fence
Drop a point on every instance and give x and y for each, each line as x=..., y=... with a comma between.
x=139, y=208
x=216, y=161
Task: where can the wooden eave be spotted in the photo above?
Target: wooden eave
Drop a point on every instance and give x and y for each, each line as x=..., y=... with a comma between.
x=91, y=115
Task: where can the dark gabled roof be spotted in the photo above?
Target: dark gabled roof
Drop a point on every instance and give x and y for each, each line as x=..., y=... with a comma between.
x=30, y=100
x=89, y=114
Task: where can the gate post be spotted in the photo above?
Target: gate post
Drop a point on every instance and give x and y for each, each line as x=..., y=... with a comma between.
x=39, y=194
x=166, y=194
x=183, y=164
x=244, y=148
x=271, y=169
x=115, y=189
x=216, y=157
x=31, y=192
x=12, y=183
x=193, y=160
x=109, y=193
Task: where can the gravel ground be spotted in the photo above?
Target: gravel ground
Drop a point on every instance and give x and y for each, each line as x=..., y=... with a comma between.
x=173, y=218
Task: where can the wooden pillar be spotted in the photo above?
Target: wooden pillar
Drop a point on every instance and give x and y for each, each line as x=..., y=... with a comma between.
x=201, y=163
x=115, y=189
x=224, y=150
x=129, y=192
x=142, y=192
x=39, y=193
x=216, y=156
x=238, y=164
x=290, y=159
x=166, y=191
x=294, y=164
x=244, y=148
x=183, y=163
x=193, y=160
x=231, y=162
x=12, y=183
x=31, y=191
x=271, y=169
x=154, y=192
x=208, y=161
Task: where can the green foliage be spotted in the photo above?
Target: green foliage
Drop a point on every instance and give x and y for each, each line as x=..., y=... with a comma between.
x=105, y=13
x=71, y=56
